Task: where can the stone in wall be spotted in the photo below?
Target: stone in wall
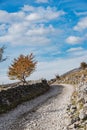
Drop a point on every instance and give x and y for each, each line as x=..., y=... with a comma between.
x=10, y=98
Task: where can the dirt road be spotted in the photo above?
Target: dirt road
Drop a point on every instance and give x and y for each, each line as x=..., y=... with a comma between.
x=46, y=112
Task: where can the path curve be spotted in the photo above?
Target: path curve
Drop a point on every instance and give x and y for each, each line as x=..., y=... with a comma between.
x=46, y=112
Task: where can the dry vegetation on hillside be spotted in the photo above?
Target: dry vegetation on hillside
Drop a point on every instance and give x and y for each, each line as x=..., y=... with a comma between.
x=74, y=77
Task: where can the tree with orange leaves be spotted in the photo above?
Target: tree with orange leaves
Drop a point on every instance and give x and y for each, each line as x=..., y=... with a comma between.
x=22, y=67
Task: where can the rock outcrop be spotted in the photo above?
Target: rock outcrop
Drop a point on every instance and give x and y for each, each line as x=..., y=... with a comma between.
x=77, y=110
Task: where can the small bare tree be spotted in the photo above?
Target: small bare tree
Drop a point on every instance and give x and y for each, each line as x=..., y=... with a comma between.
x=1, y=54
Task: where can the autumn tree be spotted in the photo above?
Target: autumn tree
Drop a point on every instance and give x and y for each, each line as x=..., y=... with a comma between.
x=22, y=67
x=1, y=54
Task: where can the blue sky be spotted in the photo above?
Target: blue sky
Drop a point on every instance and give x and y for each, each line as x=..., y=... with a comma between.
x=54, y=30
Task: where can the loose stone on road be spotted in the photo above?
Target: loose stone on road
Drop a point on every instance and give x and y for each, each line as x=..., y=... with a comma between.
x=48, y=114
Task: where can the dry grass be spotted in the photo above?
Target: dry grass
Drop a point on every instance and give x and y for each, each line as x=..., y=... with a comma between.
x=74, y=77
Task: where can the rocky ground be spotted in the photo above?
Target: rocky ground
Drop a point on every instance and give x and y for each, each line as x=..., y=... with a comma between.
x=47, y=112
x=77, y=110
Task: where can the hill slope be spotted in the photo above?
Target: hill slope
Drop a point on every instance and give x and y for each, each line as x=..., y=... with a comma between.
x=74, y=76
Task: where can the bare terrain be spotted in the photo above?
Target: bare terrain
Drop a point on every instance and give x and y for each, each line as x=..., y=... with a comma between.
x=46, y=112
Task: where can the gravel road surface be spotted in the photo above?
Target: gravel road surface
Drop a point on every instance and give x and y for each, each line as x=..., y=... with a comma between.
x=46, y=112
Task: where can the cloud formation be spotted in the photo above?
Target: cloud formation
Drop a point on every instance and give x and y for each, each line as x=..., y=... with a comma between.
x=75, y=49
x=81, y=25
x=81, y=13
x=42, y=1
x=74, y=40
x=28, y=26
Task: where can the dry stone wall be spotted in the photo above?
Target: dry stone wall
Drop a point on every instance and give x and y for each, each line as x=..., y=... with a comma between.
x=10, y=98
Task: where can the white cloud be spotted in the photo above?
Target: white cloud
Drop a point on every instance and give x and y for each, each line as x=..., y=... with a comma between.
x=42, y=1
x=81, y=25
x=41, y=14
x=28, y=25
x=80, y=53
x=74, y=40
x=80, y=13
x=31, y=14
x=10, y=18
x=4, y=16
x=76, y=52
x=42, y=30
x=22, y=33
x=25, y=40
x=28, y=8
x=33, y=17
x=75, y=49
x=52, y=50
x=3, y=29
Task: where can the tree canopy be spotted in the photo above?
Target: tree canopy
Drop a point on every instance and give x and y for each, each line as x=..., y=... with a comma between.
x=22, y=67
